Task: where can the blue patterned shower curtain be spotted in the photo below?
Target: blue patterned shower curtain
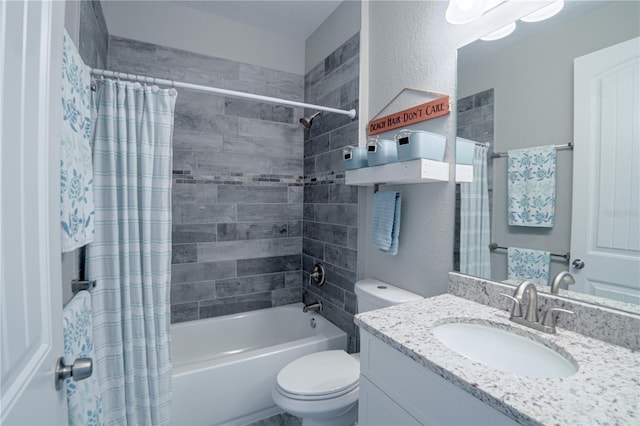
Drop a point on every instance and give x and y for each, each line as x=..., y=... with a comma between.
x=475, y=233
x=131, y=255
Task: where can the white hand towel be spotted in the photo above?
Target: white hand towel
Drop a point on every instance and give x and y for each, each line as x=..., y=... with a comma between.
x=76, y=170
x=84, y=401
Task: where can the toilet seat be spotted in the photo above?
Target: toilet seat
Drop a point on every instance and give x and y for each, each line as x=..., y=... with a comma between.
x=319, y=376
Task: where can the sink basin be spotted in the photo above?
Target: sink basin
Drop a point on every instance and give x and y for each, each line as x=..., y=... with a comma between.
x=503, y=350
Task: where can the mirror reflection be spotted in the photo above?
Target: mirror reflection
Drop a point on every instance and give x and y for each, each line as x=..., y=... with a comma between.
x=551, y=112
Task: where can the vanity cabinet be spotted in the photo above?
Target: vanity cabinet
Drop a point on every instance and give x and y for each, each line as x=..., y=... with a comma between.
x=396, y=390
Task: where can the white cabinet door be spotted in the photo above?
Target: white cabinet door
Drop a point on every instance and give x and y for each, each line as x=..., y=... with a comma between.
x=30, y=290
x=605, y=233
x=377, y=409
x=400, y=390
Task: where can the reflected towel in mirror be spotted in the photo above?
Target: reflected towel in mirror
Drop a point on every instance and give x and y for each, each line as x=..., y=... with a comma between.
x=531, y=177
x=525, y=264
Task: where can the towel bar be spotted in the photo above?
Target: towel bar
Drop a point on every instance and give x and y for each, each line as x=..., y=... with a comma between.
x=566, y=256
x=504, y=154
x=77, y=285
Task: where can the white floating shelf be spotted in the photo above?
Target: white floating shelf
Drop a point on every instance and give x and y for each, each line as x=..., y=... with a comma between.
x=414, y=171
x=464, y=173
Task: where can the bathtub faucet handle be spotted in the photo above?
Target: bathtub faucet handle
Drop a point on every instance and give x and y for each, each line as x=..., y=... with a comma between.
x=315, y=306
x=318, y=274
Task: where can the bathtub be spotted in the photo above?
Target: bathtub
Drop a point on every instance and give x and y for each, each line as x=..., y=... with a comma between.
x=224, y=368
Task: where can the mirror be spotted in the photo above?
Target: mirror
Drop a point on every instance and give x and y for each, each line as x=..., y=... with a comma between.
x=518, y=92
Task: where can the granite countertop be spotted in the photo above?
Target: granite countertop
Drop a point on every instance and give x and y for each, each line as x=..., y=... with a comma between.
x=605, y=390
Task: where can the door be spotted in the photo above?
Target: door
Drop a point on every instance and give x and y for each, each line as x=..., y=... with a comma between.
x=605, y=233
x=30, y=289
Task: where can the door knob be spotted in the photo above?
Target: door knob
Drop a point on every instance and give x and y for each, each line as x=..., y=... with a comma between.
x=577, y=263
x=81, y=369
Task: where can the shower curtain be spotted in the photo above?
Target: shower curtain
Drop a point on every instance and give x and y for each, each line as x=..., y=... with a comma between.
x=474, y=219
x=131, y=255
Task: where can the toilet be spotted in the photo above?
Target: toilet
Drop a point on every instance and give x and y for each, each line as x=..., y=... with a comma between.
x=322, y=388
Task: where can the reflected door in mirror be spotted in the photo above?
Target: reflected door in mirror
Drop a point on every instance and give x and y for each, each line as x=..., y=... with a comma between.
x=606, y=198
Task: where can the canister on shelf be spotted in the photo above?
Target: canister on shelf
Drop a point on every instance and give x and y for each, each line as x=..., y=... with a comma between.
x=381, y=151
x=354, y=157
x=414, y=144
x=464, y=151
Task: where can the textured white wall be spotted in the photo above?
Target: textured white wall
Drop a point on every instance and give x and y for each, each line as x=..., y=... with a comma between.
x=411, y=45
x=343, y=23
x=170, y=24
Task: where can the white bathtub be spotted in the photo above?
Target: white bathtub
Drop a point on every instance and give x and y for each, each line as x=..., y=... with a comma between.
x=224, y=368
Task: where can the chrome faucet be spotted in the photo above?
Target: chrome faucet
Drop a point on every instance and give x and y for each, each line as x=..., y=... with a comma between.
x=530, y=319
x=532, y=308
x=557, y=280
x=315, y=306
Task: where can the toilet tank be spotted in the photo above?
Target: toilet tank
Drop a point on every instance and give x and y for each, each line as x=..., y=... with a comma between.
x=373, y=294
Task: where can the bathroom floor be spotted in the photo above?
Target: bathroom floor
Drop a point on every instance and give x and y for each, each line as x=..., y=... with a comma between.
x=283, y=419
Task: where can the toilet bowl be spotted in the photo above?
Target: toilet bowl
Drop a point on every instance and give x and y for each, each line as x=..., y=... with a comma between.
x=322, y=388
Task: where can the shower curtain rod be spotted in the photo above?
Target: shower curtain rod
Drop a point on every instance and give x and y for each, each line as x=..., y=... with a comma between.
x=152, y=80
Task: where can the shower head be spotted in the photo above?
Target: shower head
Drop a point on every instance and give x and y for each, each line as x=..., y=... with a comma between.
x=306, y=122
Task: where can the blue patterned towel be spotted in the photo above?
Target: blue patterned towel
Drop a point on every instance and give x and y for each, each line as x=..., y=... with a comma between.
x=386, y=221
x=84, y=401
x=532, y=265
x=532, y=186
x=76, y=171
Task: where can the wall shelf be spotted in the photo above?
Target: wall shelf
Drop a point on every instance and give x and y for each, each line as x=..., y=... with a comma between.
x=464, y=173
x=414, y=171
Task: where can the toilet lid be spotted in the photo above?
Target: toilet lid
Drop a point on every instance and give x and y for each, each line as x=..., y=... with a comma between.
x=320, y=373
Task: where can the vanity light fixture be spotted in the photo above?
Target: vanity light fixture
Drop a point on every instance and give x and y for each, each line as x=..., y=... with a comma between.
x=465, y=11
x=544, y=13
x=500, y=32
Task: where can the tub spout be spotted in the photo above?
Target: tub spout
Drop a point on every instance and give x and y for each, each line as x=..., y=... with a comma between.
x=316, y=306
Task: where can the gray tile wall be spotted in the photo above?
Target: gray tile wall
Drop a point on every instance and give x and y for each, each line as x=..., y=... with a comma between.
x=330, y=226
x=475, y=122
x=238, y=182
x=93, y=35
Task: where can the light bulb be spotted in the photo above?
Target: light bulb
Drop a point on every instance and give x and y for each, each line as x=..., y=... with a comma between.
x=465, y=11
x=465, y=5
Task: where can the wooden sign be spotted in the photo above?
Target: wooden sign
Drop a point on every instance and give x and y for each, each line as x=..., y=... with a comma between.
x=416, y=114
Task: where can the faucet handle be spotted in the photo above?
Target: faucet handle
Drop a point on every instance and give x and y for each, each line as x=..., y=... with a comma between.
x=549, y=320
x=516, y=310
